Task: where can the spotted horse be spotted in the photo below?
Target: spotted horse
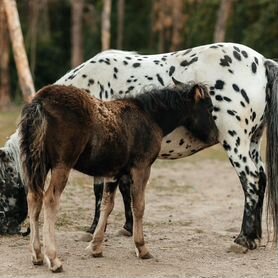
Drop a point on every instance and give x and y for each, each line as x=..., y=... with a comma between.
x=243, y=89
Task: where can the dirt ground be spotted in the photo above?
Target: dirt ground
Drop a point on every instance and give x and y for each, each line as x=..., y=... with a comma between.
x=193, y=212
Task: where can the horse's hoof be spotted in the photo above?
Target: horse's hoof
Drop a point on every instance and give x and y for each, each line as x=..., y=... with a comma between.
x=86, y=237
x=246, y=242
x=124, y=232
x=146, y=256
x=97, y=254
x=237, y=249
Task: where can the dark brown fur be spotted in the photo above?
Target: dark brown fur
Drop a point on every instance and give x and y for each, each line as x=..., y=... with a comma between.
x=64, y=128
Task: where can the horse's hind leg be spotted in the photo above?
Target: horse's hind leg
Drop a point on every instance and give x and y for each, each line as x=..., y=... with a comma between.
x=239, y=155
x=140, y=178
x=107, y=205
x=34, y=208
x=59, y=177
x=98, y=191
x=124, y=186
x=256, y=158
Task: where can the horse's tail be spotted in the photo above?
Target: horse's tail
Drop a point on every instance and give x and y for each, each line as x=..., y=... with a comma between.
x=272, y=144
x=33, y=128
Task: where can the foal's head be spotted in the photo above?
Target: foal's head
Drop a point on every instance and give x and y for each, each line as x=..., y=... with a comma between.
x=187, y=105
x=196, y=111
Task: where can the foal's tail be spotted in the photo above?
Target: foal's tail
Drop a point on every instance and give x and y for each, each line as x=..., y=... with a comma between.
x=33, y=127
x=272, y=144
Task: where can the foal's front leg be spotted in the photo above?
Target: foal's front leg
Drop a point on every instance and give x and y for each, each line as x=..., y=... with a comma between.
x=51, y=200
x=140, y=178
x=106, y=208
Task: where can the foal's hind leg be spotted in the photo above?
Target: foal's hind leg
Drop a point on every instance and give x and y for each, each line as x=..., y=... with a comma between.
x=34, y=208
x=140, y=178
x=59, y=178
x=107, y=206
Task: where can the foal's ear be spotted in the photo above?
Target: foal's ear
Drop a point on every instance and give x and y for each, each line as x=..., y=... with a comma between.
x=198, y=93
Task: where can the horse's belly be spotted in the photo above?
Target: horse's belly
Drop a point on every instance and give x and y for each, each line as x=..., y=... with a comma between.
x=180, y=143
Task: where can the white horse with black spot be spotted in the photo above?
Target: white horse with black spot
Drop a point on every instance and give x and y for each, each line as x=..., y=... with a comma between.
x=244, y=91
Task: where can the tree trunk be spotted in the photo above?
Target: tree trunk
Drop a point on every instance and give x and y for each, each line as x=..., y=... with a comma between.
x=224, y=13
x=77, y=33
x=105, y=27
x=120, y=27
x=5, y=99
x=25, y=78
x=178, y=24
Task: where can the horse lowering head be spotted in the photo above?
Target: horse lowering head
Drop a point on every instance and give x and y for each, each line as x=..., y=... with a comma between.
x=13, y=205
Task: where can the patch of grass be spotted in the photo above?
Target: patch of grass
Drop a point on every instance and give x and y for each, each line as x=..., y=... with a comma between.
x=8, y=122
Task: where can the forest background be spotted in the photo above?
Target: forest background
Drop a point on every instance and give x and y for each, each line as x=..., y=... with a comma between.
x=60, y=34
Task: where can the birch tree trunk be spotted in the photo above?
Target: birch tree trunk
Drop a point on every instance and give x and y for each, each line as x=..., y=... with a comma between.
x=224, y=13
x=5, y=99
x=120, y=27
x=105, y=26
x=22, y=65
x=77, y=33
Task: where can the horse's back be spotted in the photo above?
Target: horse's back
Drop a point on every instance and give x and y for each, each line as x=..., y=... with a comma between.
x=235, y=74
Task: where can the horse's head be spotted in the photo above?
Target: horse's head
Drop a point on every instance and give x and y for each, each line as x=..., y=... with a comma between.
x=13, y=205
x=198, y=109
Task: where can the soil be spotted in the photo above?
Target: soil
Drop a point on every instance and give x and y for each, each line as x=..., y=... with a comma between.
x=193, y=213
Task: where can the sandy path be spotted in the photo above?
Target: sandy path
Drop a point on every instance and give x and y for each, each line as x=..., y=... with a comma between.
x=193, y=211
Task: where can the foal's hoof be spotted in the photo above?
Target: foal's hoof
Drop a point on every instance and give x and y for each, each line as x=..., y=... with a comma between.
x=54, y=265
x=57, y=269
x=146, y=256
x=97, y=254
x=37, y=260
x=246, y=242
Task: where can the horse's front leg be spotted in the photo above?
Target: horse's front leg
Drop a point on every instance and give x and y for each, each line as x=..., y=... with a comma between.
x=140, y=178
x=251, y=183
x=98, y=190
x=34, y=208
x=51, y=200
x=106, y=208
x=124, y=186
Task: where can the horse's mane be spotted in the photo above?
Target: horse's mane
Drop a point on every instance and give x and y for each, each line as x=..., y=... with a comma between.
x=169, y=98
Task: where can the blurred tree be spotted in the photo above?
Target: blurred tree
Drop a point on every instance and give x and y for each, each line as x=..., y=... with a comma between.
x=148, y=28
x=106, y=25
x=179, y=20
x=224, y=12
x=120, y=25
x=25, y=77
x=5, y=98
x=169, y=23
x=34, y=12
x=77, y=33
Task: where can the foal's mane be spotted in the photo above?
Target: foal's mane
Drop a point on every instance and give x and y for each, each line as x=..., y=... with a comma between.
x=169, y=98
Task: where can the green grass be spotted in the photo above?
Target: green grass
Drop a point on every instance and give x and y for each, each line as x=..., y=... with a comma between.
x=8, y=123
